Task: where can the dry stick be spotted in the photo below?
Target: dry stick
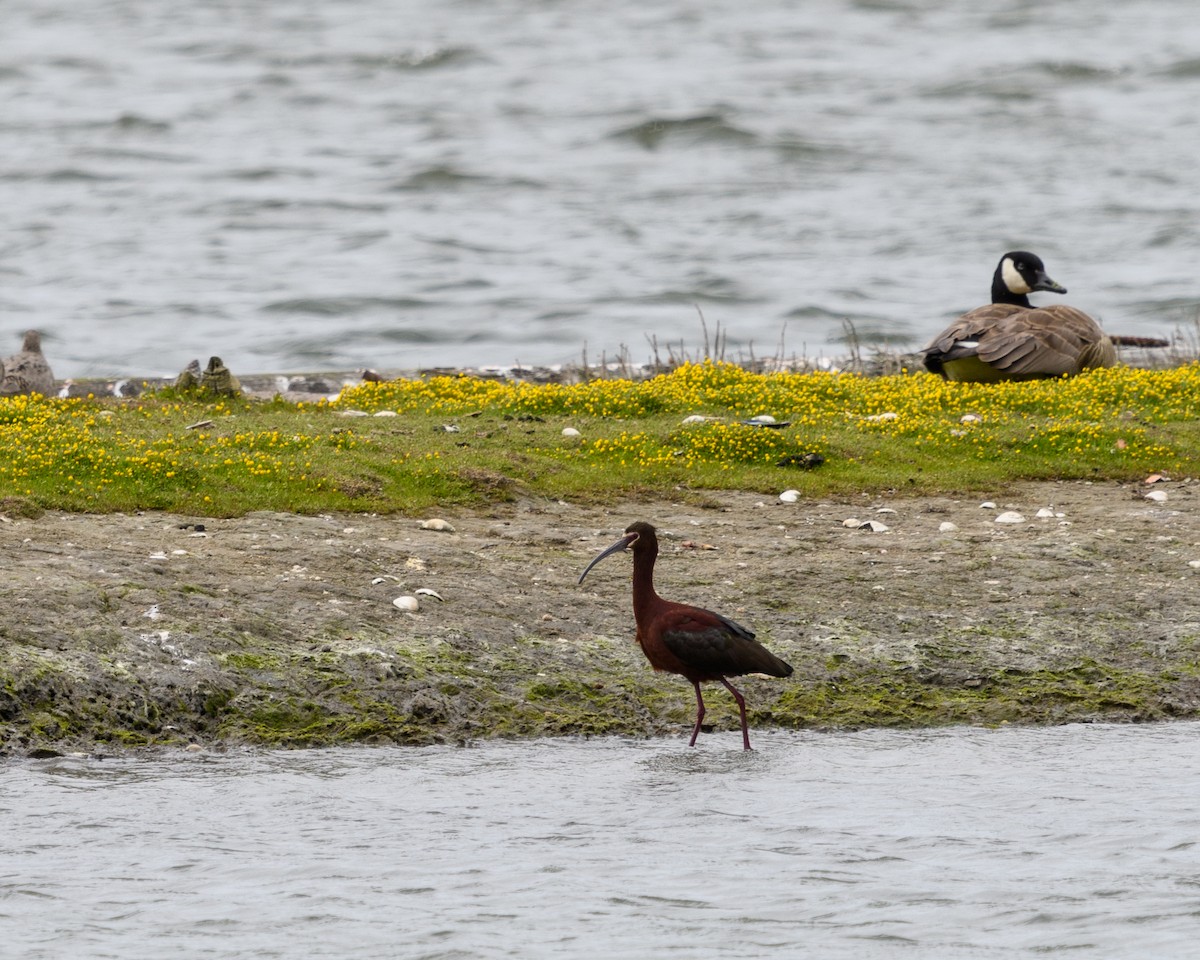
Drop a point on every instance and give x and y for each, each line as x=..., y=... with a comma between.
x=703, y=327
x=852, y=342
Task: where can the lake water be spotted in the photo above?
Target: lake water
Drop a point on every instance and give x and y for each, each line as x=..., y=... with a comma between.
x=296, y=185
x=1077, y=841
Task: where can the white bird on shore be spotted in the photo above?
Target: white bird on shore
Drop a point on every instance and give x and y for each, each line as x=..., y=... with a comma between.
x=27, y=371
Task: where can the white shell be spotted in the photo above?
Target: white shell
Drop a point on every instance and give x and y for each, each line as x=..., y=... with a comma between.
x=386, y=413
x=789, y=496
x=970, y=418
x=696, y=418
x=1045, y=513
x=875, y=526
x=1194, y=564
x=762, y=418
x=407, y=604
x=353, y=413
x=1010, y=516
x=426, y=592
x=987, y=505
x=889, y=415
x=443, y=526
x=571, y=432
x=1158, y=496
x=947, y=527
x=852, y=522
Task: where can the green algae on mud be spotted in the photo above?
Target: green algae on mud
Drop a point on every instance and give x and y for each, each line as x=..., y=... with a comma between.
x=277, y=630
x=282, y=705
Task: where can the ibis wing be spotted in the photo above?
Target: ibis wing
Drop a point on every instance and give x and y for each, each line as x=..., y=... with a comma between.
x=716, y=646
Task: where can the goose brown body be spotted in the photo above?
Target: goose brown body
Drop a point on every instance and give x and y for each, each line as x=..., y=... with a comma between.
x=1010, y=339
x=697, y=644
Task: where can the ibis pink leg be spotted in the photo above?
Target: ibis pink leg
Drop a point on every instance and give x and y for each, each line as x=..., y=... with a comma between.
x=699, y=715
x=742, y=710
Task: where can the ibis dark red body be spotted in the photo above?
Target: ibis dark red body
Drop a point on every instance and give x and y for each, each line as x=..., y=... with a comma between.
x=693, y=642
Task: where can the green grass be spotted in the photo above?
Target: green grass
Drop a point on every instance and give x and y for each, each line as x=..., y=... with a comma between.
x=906, y=432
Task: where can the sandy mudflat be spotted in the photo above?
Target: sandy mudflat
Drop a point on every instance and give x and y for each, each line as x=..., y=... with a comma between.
x=274, y=628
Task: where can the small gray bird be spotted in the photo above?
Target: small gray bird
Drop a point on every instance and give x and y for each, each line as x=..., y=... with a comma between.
x=27, y=371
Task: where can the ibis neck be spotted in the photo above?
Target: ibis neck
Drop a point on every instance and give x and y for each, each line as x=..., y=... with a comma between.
x=644, y=596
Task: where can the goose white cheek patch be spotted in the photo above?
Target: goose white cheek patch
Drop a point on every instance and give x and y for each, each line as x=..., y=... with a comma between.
x=1012, y=277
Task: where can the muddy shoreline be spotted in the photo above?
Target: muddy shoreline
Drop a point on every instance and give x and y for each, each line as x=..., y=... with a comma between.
x=161, y=631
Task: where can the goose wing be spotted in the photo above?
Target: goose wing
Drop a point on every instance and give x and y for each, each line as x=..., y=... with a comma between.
x=1024, y=341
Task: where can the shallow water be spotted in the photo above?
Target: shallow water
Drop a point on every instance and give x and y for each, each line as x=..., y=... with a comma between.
x=300, y=186
x=1075, y=841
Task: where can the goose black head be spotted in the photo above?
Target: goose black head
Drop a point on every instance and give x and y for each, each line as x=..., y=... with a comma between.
x=1018, y=274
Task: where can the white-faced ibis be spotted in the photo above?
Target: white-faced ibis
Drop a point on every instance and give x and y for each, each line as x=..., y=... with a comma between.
x=690, y=641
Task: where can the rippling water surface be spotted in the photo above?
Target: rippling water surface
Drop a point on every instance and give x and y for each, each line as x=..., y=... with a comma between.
x=298, y=185
x=1076, y=841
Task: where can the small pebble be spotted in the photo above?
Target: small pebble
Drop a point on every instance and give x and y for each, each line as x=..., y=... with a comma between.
x=407, y=604
x=1194, y=564
x=970, y=418
x=762, y=418
x=1010, y=516
x=889, y=415
x=695, y=418
x=1045, y=513
x=442, y=526
x=789, y=496
x=386, y=413
x=571, y=432
x=947, y=527
x=1158, y=496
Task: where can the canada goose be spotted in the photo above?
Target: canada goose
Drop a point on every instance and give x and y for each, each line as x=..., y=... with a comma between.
x=27, y=371
x=1010, y=339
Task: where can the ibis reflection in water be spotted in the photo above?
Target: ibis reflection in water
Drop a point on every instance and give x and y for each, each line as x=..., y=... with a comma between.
x=690, y=641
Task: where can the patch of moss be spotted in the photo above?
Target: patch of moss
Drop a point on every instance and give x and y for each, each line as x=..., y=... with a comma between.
x=250, y=661
x=1086, y=691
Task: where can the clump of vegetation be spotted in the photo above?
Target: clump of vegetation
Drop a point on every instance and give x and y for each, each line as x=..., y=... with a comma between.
x=407, y=445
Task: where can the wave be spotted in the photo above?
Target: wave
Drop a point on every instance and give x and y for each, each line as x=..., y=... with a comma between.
x=700, y=128
x=343, y=306
x=450, y=177
x=1187, y=69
